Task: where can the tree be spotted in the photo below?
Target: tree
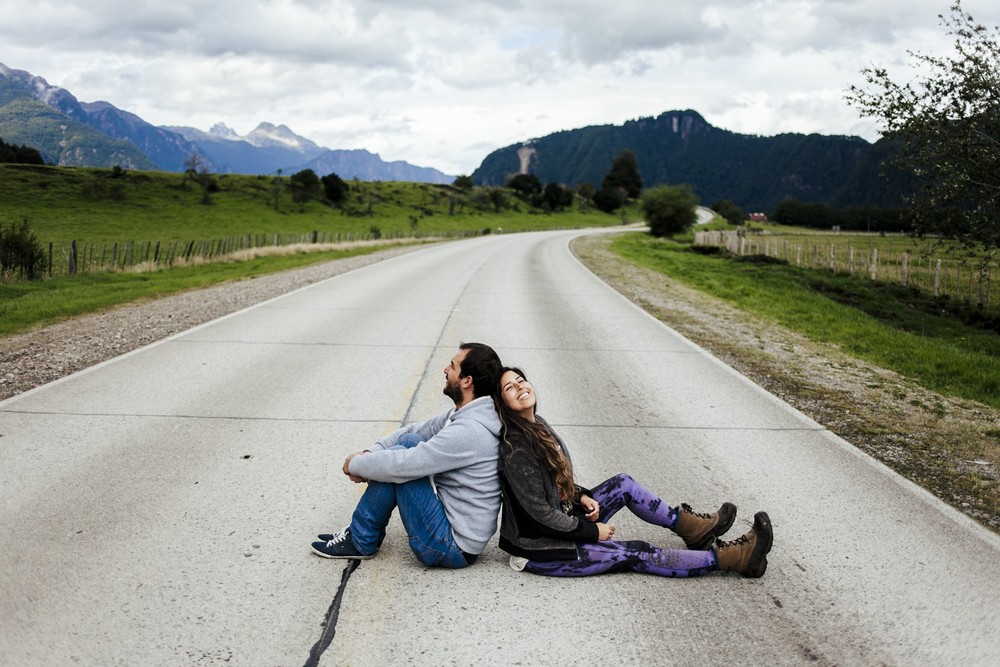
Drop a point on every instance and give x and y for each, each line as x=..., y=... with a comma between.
x=305, y=185
x=669, y=209
x=334, y=188
x=557, y=197
x=464, y=182
x=947, y=123
x=276, y=188
x=19, y=154
x=586, y=191
x=498, y=198
x=624, y=174
x=191, y=166
x=20, y=252
x=527, y=186
x=608, y=200
x=732, y=213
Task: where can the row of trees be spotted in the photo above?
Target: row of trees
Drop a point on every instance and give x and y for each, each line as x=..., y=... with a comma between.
x=621, y=183
x=19, y=154
x=854, y=218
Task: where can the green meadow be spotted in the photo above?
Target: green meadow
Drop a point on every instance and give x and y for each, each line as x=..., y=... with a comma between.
x=947, y=346
x=96, y=206
x=104, y=211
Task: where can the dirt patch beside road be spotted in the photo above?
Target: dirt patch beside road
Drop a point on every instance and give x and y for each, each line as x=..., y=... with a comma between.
x=948, y=446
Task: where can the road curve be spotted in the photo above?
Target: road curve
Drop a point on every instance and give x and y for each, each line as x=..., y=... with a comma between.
x=157, y=509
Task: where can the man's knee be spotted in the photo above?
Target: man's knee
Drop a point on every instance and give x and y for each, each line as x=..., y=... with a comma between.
x=409, y=440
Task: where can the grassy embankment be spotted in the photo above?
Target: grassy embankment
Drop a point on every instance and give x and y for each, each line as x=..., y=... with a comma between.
x=931, y=264
x=99, y=211
x=943, y=346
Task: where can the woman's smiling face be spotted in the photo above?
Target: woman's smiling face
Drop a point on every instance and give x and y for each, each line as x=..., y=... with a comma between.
x=518, y=394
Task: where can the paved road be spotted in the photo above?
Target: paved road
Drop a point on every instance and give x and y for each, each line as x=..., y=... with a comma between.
x=157, y=509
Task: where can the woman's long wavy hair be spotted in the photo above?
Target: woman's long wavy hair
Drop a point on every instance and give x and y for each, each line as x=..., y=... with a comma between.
x=541, y=442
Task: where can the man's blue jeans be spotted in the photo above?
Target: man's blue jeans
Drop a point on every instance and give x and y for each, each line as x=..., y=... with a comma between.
x=420, y=511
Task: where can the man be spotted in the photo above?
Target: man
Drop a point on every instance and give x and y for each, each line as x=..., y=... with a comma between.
x=442, y=474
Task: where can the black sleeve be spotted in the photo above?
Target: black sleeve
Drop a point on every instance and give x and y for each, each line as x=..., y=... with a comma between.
x=525, y=477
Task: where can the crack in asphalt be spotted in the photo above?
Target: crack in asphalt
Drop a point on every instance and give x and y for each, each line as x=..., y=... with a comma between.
x=332, y=615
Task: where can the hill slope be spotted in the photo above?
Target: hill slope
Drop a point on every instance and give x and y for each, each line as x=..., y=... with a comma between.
x=681, y=147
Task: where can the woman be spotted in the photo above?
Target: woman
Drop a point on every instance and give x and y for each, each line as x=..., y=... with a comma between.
x=552, y=526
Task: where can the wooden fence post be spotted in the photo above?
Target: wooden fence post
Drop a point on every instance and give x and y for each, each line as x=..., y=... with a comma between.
x=981, y=302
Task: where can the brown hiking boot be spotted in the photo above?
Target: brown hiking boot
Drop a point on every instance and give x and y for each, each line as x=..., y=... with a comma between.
x=699, y=529
x=747, y=554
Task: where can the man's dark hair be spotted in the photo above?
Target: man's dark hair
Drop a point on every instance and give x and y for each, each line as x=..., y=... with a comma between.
x=482, y=364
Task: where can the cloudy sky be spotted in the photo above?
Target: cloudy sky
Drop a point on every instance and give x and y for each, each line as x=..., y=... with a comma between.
x=442, y=83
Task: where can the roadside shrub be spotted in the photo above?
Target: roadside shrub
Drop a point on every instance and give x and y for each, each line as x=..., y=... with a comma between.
x=20, y=252
x=608, y=200
x=669, y=209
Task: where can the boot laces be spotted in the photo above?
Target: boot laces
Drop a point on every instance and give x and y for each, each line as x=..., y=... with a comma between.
x=700, y=515
x=739, y=541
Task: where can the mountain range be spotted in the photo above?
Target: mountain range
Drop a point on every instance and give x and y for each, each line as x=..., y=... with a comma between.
x=676, y=147
x=755, y=172
x=98, y=134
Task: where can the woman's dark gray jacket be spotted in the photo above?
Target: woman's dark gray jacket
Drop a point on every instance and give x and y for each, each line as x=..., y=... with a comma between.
x=533, y=524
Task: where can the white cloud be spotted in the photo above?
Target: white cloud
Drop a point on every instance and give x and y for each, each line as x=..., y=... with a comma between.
x=443, y=83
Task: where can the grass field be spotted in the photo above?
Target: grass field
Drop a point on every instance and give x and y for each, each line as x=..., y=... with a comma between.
x=112, y=213
x=903, y=329
x=939, y=267
x=92, y=206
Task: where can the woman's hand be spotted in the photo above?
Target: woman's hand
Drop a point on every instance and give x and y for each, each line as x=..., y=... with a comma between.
x=591, y=507
x=605, y=531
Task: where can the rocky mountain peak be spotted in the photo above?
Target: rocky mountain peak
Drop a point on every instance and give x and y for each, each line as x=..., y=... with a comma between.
x=223, y=131
x=268, y=135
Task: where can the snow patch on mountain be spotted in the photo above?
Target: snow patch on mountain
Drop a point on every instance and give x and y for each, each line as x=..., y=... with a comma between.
x=223, y=131
x=267, y=135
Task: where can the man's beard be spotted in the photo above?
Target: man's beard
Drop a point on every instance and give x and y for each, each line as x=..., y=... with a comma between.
x=453, y=391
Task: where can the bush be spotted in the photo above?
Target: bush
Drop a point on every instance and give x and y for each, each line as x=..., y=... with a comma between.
x=608, y=200
x=669, y=209
x=334, y=188
x=732, y=213
x=20, y=252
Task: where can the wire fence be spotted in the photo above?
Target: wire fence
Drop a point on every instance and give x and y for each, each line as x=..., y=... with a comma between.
x=964, y=280
x=89, y=257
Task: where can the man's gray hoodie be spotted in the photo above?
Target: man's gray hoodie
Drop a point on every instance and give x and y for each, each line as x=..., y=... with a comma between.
x=459, y=453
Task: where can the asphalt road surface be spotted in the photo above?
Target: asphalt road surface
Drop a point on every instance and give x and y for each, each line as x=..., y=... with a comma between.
x=158, y=509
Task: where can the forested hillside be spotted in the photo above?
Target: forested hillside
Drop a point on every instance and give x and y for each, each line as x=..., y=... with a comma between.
x=681, y=147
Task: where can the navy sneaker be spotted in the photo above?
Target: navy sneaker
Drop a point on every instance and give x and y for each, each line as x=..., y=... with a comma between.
x=339, y=545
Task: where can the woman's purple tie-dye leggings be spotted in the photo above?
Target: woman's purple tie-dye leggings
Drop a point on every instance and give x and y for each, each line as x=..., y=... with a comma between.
x=632, y=556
